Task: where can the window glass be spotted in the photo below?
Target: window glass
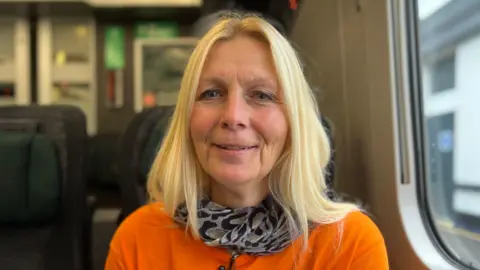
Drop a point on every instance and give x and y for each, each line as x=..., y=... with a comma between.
x=443, y=74
x=449, y=55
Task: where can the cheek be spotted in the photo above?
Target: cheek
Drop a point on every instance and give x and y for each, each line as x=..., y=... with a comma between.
x=273, y=128
x=278, y=138
x=200, y=124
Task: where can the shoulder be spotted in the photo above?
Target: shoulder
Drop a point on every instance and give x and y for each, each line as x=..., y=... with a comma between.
x=148, y=224
x=359, y=227
x=354, y=226
x=146, y=221
x=361, y=222
x=355, y=239
x=150, y=213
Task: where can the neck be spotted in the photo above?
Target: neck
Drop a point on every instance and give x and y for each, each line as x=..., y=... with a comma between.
x=239, y=197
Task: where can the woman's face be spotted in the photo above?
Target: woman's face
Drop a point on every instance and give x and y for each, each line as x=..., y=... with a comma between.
x=238, y=124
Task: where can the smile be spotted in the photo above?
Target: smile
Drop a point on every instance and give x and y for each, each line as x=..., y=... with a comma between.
x=234, y=147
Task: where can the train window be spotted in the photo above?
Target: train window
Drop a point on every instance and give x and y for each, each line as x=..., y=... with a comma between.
x=449, y=57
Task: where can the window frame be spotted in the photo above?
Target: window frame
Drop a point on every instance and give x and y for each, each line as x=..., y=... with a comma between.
x=408, y=116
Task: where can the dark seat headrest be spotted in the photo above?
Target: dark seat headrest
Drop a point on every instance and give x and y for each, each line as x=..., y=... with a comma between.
x=30, y=179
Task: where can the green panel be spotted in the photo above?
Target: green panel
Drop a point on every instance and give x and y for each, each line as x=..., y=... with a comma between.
x=114, y=47
x=156, y=30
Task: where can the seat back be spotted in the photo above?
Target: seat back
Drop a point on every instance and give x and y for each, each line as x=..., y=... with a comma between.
x=139, y=146
x=102, y=158
x=280, y=13
x=50, y=141
x=30, y=179
x=330, y=170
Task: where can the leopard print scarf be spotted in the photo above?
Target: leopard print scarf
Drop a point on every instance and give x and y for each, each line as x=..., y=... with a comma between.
x=258, y=230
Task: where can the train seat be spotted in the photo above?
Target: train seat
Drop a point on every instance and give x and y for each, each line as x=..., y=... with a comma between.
x=102, y=153
x=139, y=146
x=45, y=215
x=102, y=169
x=330, y=170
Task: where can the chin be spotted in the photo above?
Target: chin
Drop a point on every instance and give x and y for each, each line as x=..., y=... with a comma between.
x=232, y=178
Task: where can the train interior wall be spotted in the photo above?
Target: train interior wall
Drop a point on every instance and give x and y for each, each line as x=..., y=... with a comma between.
x=345, y=49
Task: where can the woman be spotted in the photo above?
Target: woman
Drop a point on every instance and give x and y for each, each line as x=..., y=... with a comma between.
x=238, y=182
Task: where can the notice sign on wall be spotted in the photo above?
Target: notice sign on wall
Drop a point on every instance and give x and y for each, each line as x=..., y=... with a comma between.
x=114, y=48
x=114, y=54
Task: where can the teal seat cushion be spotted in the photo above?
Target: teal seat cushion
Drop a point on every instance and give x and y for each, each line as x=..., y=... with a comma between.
x=30, y=180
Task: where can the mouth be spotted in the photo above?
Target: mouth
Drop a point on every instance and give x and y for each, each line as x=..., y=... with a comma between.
x=235, y=147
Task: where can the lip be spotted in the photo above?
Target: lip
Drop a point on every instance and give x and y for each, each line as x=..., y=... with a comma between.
x=234, y=148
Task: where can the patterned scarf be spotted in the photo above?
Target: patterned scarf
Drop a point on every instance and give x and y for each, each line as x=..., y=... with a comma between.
x=258, y=230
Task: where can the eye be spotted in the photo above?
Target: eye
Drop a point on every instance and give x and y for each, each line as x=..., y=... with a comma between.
x=263, y=96
x=210, y=94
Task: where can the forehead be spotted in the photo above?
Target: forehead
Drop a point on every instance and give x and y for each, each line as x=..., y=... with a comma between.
x=243, y=56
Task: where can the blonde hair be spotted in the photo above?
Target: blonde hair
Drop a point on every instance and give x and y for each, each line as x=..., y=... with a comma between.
x=296, y=182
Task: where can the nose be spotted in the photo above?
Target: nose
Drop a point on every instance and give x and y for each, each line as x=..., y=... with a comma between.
x=236, y=112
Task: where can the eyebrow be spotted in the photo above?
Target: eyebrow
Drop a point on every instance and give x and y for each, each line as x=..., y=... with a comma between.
x=251, y=81
x=214, y=80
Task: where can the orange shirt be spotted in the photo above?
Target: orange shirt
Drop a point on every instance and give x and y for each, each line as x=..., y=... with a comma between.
x=149, y=240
